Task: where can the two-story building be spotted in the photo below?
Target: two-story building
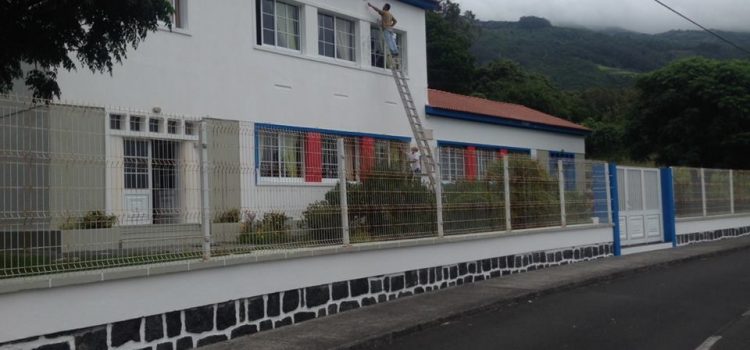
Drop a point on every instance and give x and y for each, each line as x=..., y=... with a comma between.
x=278, y=82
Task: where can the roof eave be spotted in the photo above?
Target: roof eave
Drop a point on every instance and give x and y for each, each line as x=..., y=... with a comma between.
x=481, y=118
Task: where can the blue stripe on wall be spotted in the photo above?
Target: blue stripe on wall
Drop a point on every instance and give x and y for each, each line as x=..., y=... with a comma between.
x=425, y=4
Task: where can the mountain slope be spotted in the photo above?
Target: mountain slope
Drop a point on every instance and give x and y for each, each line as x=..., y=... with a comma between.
x=577, y=58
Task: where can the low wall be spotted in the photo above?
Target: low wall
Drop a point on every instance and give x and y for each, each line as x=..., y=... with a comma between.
x=179, y=310
x=697, y=230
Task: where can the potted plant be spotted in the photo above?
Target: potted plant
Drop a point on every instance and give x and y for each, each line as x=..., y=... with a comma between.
x=94, y=231
x=226, y=226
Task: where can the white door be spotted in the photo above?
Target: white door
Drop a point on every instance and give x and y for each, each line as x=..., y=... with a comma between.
x=137, y=174
x=639, y=193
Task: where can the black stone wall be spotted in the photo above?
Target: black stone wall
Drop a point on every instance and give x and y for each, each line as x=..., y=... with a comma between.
x=209, y=324
x=708, y=236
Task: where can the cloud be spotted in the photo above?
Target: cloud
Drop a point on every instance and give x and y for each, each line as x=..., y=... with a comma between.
x=637, y=15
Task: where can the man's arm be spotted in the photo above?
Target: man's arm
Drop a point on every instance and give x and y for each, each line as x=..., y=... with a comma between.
x=394, y=21
x=380, y=12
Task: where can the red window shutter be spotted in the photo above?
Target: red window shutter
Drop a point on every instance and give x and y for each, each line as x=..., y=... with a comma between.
x=367, y=156
x=313, y=158
x=470, y=163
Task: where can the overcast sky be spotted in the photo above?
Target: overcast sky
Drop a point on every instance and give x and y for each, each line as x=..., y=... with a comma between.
x=637, y=15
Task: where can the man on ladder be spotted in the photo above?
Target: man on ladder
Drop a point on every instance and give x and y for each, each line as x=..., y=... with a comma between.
x=387, y=22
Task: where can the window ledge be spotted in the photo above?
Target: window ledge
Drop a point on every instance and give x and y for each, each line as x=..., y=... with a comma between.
x=179, y=31
x=293, y=182
x=326, y=60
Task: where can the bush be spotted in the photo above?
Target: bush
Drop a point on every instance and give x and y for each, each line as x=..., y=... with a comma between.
x=389, y=201
x=534, y=194
x=323, y=221
x=229, y=216
x=476, y=206
x=272, y=229
x=92, y=220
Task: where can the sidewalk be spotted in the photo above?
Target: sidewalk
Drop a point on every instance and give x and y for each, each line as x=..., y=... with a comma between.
x=379, y=324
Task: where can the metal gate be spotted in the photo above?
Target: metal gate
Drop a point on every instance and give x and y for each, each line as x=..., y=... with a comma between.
x=639, y=191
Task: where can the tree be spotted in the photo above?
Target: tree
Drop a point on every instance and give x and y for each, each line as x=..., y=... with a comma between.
x=506, y=81
x=450, y=65
x=694, y=112
x=42, y=36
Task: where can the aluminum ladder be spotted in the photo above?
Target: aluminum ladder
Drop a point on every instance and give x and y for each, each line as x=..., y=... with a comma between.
x=420, y=134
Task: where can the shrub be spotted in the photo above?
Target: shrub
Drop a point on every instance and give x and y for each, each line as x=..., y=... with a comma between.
x=388, y=201
x=473, y=206
x=92, y=220
x=229, y=216
x=272, y=229
x=323, y=221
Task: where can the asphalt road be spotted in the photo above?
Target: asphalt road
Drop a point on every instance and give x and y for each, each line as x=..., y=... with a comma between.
x=696, y=305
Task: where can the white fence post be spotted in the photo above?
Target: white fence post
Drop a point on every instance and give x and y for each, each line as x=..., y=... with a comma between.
x=703, y=191
x=205, y=193
x=561, y=184
x=439, y=196
x=731, y=191
x=506, y=186
x=342, y=190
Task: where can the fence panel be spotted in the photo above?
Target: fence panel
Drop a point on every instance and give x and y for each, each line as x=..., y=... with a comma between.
x=688, y=192
x=87, y=187
x=718, y=192
x=741, y=184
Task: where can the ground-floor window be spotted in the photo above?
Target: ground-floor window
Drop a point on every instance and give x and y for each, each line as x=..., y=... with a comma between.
x=569, y=168
x=306, y=156
x=469, y=162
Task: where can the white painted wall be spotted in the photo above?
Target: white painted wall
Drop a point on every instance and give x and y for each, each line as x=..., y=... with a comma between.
x=710, y=224
x=45, y=311
x=216, y=68
x=478, y=133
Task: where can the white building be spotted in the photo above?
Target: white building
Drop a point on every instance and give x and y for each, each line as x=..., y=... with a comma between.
x=279, y=81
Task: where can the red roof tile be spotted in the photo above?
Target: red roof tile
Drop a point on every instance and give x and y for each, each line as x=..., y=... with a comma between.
x=475, y=105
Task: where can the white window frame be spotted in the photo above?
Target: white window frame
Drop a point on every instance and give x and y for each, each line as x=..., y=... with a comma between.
x=299, y=20
x=452, y=163
x=400, y=41
x=179, y=17
x=336, y=35
x=280, y=147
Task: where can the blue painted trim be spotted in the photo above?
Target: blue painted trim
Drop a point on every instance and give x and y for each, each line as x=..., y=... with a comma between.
x=615, y=198
x=482, y=146
x=668, y=206
x=332, y=132
x=425, y=4
x=479, y=118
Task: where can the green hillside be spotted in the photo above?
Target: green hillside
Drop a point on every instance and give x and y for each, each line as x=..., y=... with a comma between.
x=577, y=58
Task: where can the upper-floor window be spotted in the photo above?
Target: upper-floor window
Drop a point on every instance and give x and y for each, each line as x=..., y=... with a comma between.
x=136, y=123
x=378, y=57
x=115, y=121
x=335, y=37
x=179, y=17
x=280, y=24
